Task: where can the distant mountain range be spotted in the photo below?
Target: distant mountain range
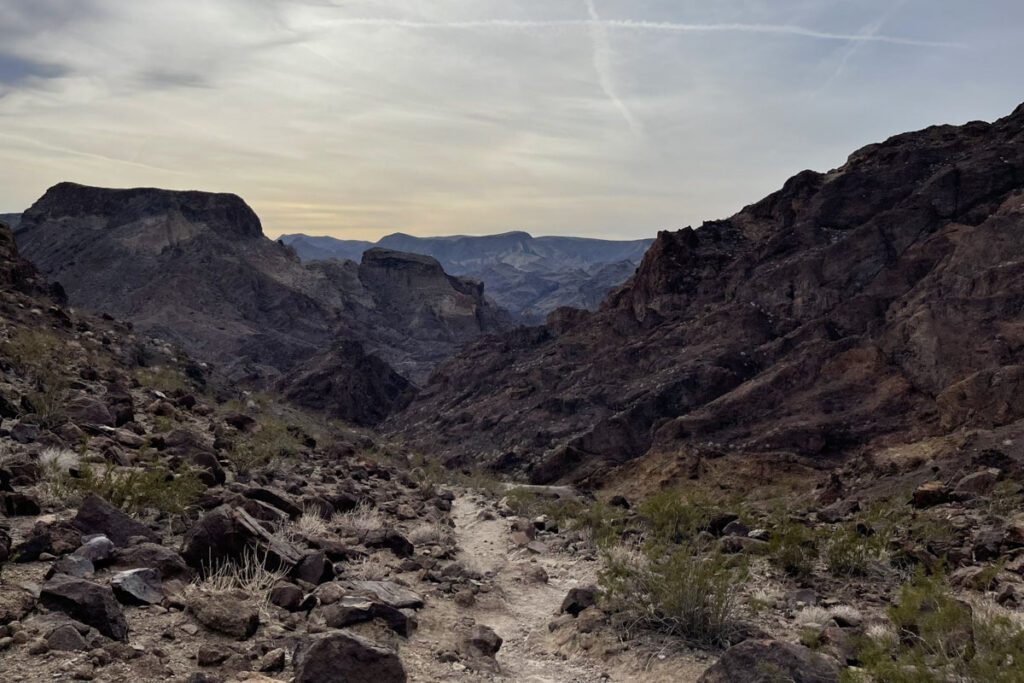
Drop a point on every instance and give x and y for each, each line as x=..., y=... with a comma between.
x=529, y=276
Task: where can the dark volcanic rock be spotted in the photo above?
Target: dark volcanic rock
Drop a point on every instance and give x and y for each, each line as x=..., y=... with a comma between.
x=347, y=383
x=97, y=516
x=138, y=587
x=87, y=602
x=340, y=657
x=877, y=303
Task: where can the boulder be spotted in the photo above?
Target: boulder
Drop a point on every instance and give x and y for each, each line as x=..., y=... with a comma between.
x=341, y=657
x=88, y=411
x=388, y=592
x=353, y=609
x=977, y=484
x=138, y=587
x=481, y=641
x=578, y=599
x=223, y=534
x=87, y=602
x=97, y=549
x=930, y=494
x=169, y=563
x=230, y=614
x=97, y=516
x=19, y=504
x=770, y=661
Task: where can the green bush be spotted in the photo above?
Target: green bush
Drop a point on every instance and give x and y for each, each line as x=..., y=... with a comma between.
x=672, y=516
x=943, y=638
x=850, y=552
x=271, y=441
x=135, y=490
x=793, y=547
x=686, y=592
x=36, y=355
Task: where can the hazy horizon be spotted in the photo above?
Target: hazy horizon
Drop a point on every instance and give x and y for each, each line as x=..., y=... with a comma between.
x=592, y=118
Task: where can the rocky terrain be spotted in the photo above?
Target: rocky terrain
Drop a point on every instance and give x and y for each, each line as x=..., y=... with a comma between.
x=196, y=269
x=11, y=219
x=849, y=315
x=529, y=276
x=793, y=441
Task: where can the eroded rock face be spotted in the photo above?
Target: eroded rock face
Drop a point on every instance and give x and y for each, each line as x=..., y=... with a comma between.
x=874, y=304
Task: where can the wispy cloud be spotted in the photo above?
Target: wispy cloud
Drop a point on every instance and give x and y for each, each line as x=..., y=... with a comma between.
x=638, y=25
x=603, y=66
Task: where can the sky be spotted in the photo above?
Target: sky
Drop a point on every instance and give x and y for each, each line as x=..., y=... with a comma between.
x=601, y=118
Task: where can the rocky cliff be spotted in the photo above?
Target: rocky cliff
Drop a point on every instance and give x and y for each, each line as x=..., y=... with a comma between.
x=196, y=269
x=877, y=304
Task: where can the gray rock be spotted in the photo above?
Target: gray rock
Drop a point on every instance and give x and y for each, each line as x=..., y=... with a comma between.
x=97, y=516
x=138, y=587
x=770, y=661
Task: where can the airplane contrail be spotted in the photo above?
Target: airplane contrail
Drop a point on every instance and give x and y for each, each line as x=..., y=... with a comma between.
x=637, y=25
x=603, y=66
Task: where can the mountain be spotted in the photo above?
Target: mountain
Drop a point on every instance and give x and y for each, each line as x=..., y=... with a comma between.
x=11, y=219
x=195, y=268
x=877, y=305
x=529, y=276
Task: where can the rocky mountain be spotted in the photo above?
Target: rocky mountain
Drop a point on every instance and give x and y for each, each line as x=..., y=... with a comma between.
x=866, y=308
x=195, y=269
x=529, y=276
x=11, y=219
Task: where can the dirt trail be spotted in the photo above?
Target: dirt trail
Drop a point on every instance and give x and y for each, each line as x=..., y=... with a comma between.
x=519, y=611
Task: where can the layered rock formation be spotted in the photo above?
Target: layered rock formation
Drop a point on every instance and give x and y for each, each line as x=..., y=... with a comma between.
x=196, y=269
x=529, y=276
x=875, y=304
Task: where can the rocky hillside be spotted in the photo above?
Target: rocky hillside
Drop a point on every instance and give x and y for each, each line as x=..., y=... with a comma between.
x=195, y=268
x=11, y=219
x=529, y=276
x=872, y=306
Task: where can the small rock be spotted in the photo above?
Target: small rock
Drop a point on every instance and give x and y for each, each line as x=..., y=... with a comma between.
x=578, y=599
x=323, y=659
x=138, y=587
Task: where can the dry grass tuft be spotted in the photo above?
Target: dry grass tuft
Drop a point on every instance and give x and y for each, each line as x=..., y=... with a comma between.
x=363, y=519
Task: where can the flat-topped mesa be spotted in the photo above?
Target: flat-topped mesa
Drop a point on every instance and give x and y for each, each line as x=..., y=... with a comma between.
x=157, y=212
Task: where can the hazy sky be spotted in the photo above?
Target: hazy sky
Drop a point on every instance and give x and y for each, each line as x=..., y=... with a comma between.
x=610, y=118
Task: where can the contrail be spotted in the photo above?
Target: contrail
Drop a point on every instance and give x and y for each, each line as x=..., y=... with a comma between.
x=629, y=24
x=603, y=66
x=853, y=48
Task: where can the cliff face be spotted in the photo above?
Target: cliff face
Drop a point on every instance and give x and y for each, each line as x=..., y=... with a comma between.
x=195, y=268
x=876, y=304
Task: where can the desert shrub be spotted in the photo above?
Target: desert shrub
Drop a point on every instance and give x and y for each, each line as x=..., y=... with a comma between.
x=686, y=591
x=851, y=552
x=428, y=533
x=361, y=520
x=938, y=637
x=162, y=378
x=793, y=547
x=135, y=490
x=674, y=516
x=370, y=568
x=271, y=441
x=248, y=573
x=36, y=354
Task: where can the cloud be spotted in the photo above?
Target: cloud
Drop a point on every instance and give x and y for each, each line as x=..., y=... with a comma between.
x=603, y=66
x=362, y=117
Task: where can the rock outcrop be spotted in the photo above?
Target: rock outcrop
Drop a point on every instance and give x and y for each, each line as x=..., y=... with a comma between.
x=876, y=304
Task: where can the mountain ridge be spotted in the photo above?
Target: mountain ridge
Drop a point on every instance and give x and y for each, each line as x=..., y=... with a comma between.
x=824, y=320
x=529, y=276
